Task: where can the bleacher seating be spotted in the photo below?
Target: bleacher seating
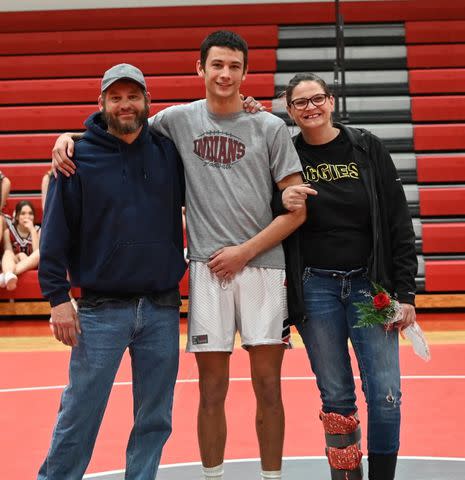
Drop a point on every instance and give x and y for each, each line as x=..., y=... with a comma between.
x=405, y=81
x=27, y=176
x=447, y=167
x=441, y=80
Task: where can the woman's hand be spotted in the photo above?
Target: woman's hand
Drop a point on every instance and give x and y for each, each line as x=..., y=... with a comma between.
x=408, y=317
x=29, y=224
x=294, y=196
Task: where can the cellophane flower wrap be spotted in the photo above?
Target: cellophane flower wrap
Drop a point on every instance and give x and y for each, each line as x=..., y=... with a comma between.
x=382, y=309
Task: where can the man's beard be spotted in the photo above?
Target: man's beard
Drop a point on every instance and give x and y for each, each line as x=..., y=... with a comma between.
x=113, y=122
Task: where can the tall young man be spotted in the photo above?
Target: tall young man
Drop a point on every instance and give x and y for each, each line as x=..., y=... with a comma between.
x=128, y=265
x=232, y=161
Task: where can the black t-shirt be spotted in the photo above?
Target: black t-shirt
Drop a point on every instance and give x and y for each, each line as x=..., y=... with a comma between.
x=337, y=233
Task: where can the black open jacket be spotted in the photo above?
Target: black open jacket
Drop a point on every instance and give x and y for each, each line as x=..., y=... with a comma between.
x=393, y=261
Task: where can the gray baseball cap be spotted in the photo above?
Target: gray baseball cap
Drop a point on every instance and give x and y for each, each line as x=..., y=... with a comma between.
x=123, y=71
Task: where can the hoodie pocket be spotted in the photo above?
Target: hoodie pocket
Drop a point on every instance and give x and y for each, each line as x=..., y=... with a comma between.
x=141, y=267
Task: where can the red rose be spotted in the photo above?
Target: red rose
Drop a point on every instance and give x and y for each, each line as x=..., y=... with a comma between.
x=381, y=300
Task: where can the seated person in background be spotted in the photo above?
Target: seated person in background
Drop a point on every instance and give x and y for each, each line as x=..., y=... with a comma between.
x=5, y=189
x=21, y=245
x=44, y=187
x=4, y=192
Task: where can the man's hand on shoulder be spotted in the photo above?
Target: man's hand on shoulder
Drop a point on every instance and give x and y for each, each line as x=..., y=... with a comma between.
x=62, y=152
x=64, y=324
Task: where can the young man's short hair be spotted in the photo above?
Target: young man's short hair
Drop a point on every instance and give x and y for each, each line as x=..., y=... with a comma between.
x=223, y=38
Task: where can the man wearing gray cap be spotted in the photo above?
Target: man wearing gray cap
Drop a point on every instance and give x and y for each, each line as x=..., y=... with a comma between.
x=128, y=265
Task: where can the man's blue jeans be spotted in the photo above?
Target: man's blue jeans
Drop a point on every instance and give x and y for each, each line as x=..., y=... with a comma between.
x=151, y=333
x=329, y=300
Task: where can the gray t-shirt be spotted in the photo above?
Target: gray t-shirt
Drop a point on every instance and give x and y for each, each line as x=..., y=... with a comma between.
x=230, y=163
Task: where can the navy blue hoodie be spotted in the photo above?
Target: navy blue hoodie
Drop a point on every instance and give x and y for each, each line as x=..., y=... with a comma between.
x=116, y=224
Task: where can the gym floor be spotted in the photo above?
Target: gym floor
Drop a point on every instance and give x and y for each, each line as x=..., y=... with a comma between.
x=34, y=373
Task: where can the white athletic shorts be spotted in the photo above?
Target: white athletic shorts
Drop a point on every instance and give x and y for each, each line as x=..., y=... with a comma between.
x=253, y=303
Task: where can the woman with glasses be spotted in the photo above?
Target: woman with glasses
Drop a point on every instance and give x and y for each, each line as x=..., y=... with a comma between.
x=358, y=230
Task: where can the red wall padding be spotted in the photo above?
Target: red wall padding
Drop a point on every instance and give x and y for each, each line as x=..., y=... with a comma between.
x=254, y=14
x=28, y=287
x=25, y=176
x=442, y=201
x=439, y=137
x=443, y=237
x=445, y=275
x=152, y=39
x=450, y=80
x=452, y=31
x=24, y=147
x=64, y=117
x=184, y=285
x=443, y=109
x=83, y=90
x=45, y=118
x=431, y=56
x=447, y=168
x=94, y=64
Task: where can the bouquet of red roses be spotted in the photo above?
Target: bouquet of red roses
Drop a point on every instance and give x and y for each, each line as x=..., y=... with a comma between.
x=384, y=310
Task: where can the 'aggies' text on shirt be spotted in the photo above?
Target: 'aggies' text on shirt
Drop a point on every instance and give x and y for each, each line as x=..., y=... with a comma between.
x=219, y=149
x=330, y=172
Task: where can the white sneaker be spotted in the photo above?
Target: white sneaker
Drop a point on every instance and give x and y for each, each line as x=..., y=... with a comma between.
x=10, y=280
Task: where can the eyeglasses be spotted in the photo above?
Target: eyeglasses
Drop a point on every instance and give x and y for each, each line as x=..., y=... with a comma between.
x=302, y=103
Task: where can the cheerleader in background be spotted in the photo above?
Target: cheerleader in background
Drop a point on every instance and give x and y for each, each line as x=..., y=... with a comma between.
x=21, y=245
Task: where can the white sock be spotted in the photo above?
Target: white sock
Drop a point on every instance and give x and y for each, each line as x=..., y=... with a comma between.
x=10, y=280
x=10, y=276
x=213, y=473
x=2, y=280
x=274, y=474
